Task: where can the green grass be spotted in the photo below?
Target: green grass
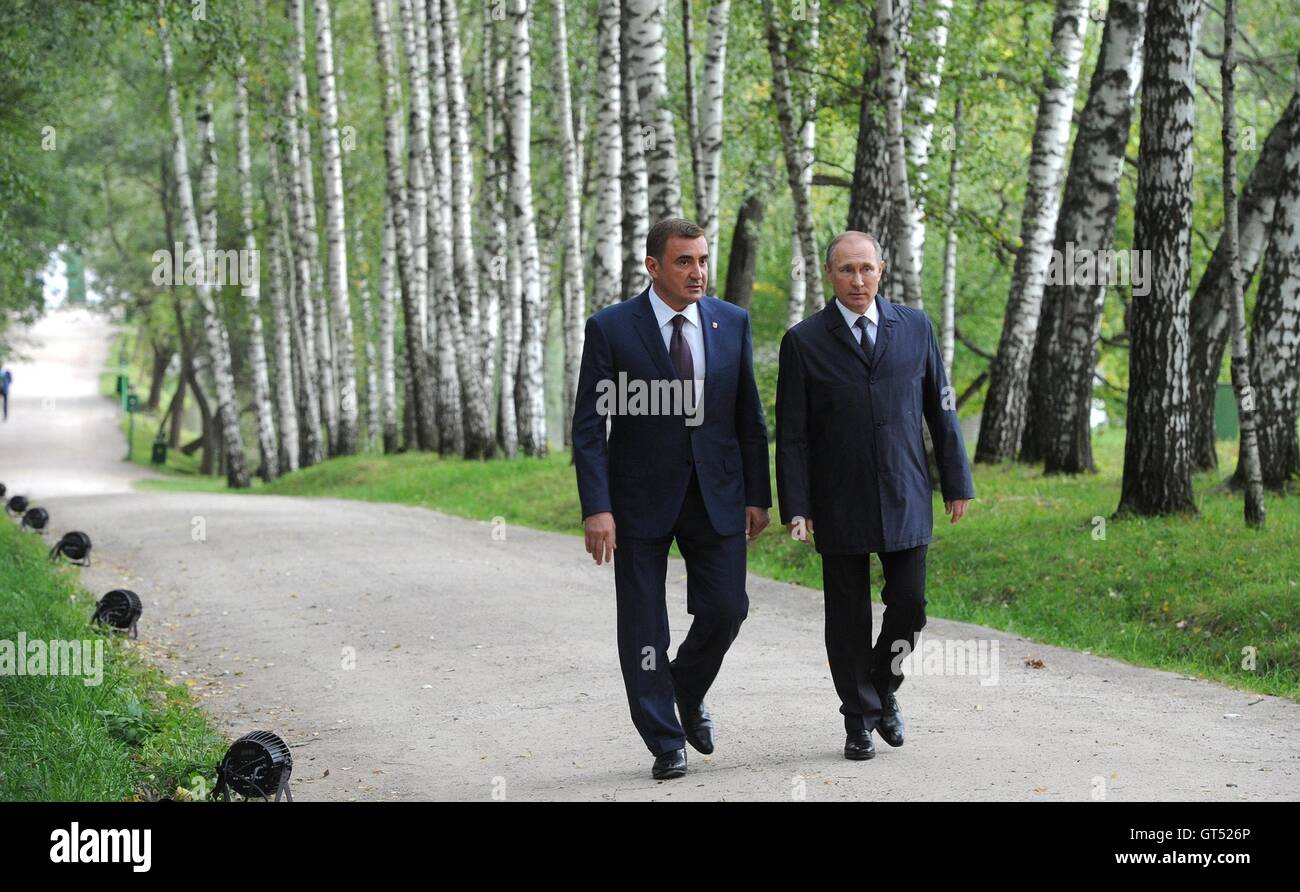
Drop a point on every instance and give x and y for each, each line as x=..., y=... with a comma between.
x=133, y=736
x=145, y=429
x=1182, y=594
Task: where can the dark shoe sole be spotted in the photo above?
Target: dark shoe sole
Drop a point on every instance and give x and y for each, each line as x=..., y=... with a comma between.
x=890, y=742
x=668, y=775
x=859, y=756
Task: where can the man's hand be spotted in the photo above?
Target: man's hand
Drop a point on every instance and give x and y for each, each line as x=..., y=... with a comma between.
x=598, y=530
x=756, y=520
x=957, y=508
x=801, y=529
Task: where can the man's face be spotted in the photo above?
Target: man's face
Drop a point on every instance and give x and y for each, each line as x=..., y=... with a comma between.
x=855, y=273
x=681, y=277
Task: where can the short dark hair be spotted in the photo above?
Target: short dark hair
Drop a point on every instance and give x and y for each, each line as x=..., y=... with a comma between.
x=674, y=227
x=830, y=247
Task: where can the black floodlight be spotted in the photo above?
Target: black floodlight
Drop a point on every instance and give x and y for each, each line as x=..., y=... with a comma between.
x=36, y=519
x=256, y=765
x=16, y=505
x=74, y=546
x=119, y=609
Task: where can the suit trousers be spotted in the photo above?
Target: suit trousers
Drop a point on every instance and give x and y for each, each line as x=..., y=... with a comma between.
x=864, y=674
x=715, y=598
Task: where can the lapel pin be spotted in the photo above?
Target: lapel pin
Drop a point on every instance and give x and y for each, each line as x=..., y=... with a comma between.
x=715, y=325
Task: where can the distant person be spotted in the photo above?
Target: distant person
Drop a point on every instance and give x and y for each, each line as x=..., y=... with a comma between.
x=6, y=379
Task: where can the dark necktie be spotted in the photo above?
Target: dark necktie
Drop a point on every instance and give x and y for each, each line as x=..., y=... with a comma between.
x=680, y=352
x=867, y=341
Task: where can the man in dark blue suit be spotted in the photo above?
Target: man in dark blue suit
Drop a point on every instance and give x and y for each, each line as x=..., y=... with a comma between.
x=670, y=373
x=854, y=382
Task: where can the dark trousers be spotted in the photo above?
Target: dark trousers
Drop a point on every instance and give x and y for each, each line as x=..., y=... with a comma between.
x=864, y=674
x=715, y=597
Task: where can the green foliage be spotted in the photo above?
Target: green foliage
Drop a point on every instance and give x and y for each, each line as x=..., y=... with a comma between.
x=134, y=735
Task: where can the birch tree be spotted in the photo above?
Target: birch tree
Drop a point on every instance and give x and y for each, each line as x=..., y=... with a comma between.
x=309, y=268
x=1209, y=313
x=807, y=279
x=922, y=101
x=336, y=234
x=213, y=329
x=1005, y=406
x=388, y=299
x=281, y=313
x=462, y=178
x=469, y=413
x=252, y=290
x=531, y=404
x=607, y=273
x=421, y=396
x=1249, y=451
x=1065, y=353
x=893, y=80
x=1275, y=336
x=635, y=183
x=419, y=165
x=647, y=54
x=1157, y=462
x=574, y=290
x=710, y=162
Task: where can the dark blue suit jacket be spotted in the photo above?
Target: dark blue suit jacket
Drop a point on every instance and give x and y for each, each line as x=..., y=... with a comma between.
x=641, y=472
x=849, y=449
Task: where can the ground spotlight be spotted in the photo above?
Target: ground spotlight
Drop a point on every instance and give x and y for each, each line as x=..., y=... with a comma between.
x=75, y=546
x=257, y=764
x=119, y=609
x=16, y=505
x=36, y=519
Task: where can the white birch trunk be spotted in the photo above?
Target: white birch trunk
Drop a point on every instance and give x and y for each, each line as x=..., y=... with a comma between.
x=310, y=247
x=574, y=290
x=388, y=299
x=893, y=81
x=213, y=330
x=715, y=70
x=607, y=275
x=421, y=390
x=531, y=403
x=346, y=440
x=1003, y=421
x=922, y=101
x=806, y=273
x=252, y=290
x=647, y=52
x=635, y=184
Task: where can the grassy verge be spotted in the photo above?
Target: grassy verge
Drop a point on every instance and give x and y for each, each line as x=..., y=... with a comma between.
x=1195, y=595
x=145, y=428
x=132, y=736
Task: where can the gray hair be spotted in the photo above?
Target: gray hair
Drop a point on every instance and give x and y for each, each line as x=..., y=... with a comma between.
x=830, y=247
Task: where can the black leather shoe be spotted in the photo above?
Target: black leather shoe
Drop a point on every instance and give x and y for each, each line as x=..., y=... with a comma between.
x=858, y=746
x=890, y=725
x=698, y=725
x=669, y=765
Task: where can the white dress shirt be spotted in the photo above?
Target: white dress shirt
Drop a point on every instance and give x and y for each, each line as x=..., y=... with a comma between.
x=852, y=318
x=691, y=333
